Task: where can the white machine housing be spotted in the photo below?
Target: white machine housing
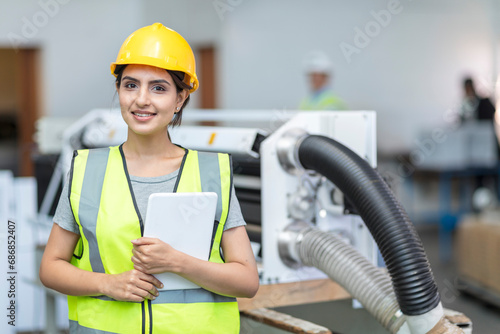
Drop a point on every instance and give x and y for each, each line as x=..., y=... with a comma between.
x=356, y=130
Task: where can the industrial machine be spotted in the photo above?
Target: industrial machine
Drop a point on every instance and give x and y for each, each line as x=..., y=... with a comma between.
x=314, y=203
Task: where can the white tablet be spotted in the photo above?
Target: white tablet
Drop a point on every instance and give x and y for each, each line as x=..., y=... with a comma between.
x=186, y=222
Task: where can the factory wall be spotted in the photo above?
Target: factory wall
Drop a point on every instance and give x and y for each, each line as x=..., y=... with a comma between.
x=77, y=40
x=405, y=59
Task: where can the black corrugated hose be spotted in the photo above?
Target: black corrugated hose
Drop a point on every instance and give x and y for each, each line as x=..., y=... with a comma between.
x=394, y=233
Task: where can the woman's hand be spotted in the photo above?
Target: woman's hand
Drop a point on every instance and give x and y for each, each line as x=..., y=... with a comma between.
x=56, y=272
x=153, y=256
x=132, y=286
x=236, y=277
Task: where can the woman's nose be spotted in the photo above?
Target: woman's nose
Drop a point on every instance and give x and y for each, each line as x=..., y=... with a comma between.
x=143, y=97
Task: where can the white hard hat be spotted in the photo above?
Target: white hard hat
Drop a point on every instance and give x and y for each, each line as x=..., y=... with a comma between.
x=317, y=62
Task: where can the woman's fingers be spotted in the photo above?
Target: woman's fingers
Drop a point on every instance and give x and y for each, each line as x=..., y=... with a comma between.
x=144, y=241
x=156, y=282
x=139, y=257
x=138, y=254
x=135, y=286
x=151, y=283
x=143, y=295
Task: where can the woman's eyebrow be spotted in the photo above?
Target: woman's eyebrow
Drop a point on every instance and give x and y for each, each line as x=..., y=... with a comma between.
x=130, y=78
x=159, y=81
x=151, y=82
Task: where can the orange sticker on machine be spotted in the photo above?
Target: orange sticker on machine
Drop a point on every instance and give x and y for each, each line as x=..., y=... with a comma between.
x=212, y=138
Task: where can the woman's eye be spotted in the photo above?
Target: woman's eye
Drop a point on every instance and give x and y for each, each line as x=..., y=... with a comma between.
x=159, y=88
x=130, y=85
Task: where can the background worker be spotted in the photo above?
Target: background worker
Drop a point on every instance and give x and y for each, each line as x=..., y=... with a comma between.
x=475, y=107
x=96, y=253
x=318, y=68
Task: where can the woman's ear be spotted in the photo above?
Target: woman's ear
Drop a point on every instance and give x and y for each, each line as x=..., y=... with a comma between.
x=182, y=96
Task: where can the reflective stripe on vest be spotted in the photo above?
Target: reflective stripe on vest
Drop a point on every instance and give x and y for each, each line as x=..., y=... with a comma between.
x=210, y=178
x=87, y=214
x=184, y=297
x=75, y=327
x=104, y=207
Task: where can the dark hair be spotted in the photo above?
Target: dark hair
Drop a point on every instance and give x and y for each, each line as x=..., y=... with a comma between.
x=180, y=85
x=468, y=82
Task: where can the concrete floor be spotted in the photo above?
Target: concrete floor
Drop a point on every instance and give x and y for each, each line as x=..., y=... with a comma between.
x=485, y=318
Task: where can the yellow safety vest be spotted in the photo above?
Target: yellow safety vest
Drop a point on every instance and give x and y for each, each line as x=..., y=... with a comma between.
x=324, y=101
x=104, y=207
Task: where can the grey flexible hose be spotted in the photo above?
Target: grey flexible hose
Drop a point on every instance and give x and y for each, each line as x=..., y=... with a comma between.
x=390, y=226
x=343, y=264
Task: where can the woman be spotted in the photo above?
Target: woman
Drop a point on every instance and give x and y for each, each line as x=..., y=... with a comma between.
x=96, y=253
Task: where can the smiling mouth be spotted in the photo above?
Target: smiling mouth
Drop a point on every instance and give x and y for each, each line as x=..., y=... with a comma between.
x=143, y=114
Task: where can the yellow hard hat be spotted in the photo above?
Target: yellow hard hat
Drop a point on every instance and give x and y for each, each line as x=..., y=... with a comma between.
x=159, y=46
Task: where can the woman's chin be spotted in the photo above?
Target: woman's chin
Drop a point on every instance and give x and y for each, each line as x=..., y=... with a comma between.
x=147, y=132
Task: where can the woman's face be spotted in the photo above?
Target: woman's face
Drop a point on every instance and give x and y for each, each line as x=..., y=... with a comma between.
x=148, y=98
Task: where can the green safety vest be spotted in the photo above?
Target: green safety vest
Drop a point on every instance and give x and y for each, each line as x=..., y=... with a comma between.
x=104, y=207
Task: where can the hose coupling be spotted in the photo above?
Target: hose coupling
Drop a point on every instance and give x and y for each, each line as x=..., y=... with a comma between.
x=289, y=243
x=288, y=150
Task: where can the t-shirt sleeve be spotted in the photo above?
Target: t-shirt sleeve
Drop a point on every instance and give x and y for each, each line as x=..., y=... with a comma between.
x=64, y=215
x=235, y=217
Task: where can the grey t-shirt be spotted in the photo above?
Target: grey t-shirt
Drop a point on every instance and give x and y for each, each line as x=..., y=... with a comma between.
x=142, y=187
